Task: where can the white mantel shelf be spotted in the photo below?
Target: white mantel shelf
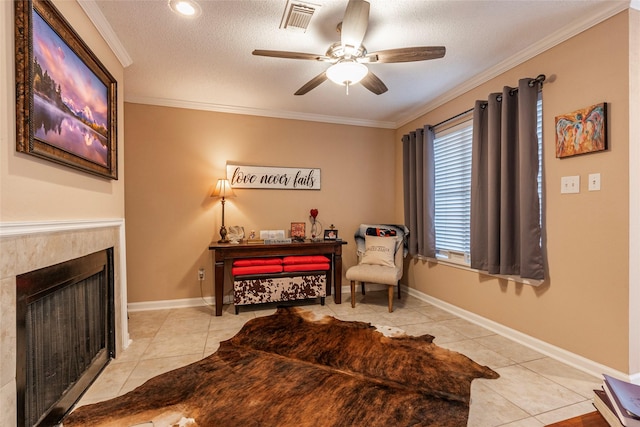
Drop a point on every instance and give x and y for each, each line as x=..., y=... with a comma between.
x=21, y=228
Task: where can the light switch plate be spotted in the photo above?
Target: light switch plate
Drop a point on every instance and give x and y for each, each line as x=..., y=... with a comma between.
x=594, y=182
x=570, y=184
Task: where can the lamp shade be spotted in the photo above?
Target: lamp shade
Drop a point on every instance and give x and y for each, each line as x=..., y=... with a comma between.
x=347, y=71
x=223, y=189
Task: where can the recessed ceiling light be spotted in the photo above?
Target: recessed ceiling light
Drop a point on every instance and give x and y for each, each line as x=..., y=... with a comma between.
x=188, y=8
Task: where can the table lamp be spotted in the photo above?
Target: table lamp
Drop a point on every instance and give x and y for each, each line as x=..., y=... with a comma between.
x=223, y=190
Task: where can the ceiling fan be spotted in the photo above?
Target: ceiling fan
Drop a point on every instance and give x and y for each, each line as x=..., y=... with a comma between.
x=349, y=56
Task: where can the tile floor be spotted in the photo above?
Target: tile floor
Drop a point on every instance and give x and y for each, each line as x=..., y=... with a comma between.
x=533, y=390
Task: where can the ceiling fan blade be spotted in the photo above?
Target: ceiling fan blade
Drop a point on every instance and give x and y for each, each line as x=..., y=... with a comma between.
x=312, y=84
x=407, y=54
x=373, y=83
x=354, y=23
x=290, y=55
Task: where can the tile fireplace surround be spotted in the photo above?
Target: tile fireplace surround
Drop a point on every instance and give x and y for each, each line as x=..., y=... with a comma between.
x=29, y=246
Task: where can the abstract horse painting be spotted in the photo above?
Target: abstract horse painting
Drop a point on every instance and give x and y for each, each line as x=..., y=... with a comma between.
x=583, y=131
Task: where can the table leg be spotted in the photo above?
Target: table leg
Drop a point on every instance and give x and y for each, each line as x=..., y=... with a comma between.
x=218, y=286
x=337, y=278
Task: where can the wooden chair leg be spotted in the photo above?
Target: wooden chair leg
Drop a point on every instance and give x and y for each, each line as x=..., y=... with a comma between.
x=362, y=288
x=390, y=298
x=353, y=294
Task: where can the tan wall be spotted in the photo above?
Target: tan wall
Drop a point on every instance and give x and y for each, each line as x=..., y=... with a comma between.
x=583, y=307
x=35, y=189
x=175, y=156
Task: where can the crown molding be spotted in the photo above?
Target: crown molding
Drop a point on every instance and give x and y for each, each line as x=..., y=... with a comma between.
x=291, y=115
x=533, y=50
x=104, y=28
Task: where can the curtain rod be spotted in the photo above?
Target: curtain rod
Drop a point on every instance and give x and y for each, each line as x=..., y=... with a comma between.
x=450, y=119
x=538, y=80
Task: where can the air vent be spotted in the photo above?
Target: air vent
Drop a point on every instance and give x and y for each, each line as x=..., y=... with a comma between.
x=297, y=16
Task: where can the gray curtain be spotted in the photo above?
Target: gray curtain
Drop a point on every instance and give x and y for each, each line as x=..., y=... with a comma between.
x=505, y=207
x=419, y=197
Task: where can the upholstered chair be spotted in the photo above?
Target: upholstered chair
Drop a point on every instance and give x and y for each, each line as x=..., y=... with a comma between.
x=380, y=250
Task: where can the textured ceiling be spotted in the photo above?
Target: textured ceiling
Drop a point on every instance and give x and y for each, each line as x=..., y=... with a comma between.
x=206, y=62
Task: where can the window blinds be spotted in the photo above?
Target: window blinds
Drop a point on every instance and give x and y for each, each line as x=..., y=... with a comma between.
x=452, y=152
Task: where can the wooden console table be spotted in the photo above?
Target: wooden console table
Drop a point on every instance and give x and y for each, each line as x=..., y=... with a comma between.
x=227, y=251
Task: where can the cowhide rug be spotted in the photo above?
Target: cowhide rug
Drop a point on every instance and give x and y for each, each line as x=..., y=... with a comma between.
x=288, y=369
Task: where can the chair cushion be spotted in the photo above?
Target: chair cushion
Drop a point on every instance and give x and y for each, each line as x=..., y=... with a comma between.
x=247, y=262
x=307, y=267
x=379, y=251
x=256, y=269
x=305, y=259
x=401, y=231
x=374, y=274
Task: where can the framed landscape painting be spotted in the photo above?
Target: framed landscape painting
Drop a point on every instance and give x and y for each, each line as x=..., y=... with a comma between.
x=66, y=108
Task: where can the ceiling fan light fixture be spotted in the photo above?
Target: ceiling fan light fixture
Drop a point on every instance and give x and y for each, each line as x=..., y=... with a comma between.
x=347, y=72
x=188, y=8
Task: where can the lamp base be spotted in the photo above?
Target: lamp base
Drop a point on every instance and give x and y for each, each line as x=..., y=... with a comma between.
x=223, y=235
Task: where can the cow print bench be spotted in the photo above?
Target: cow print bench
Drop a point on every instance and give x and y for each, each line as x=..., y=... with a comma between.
x=276, y=279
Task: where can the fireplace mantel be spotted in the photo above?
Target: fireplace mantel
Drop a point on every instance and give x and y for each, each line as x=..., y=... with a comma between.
x=21, y=228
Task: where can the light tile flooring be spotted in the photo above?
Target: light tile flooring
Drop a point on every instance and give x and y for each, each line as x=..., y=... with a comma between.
x=533, y=390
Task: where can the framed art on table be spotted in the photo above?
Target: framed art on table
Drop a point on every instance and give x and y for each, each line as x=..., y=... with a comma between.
x=298, y=231
x=331, y=234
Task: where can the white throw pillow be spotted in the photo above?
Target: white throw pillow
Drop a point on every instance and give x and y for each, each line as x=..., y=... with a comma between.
x=379, y=250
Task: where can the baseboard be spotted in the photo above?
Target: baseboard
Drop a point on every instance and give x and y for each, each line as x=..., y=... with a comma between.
x=575, y=360
x=175, y=303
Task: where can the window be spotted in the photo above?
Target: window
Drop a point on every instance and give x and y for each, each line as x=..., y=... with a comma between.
x=452, y=157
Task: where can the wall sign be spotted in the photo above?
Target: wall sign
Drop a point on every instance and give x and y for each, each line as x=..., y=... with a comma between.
x=273, y=177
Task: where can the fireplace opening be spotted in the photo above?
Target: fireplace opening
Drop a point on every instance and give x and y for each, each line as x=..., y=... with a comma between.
x=65, y=335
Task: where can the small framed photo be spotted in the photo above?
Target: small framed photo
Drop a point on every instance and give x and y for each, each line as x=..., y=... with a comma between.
x=298, y=230
x=331, y=234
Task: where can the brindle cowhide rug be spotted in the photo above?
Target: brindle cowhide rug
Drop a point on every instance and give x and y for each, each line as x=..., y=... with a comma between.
x=289, y=369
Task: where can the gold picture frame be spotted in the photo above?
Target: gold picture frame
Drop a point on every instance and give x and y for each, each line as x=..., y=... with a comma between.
x=66, y=109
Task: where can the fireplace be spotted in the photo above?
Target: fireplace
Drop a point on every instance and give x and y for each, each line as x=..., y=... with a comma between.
x=65, y=334
x=29, y=246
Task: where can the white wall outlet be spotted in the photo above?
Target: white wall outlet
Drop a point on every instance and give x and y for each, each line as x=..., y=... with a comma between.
x=570, y=184
x=594, y=182
x=201, y=274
